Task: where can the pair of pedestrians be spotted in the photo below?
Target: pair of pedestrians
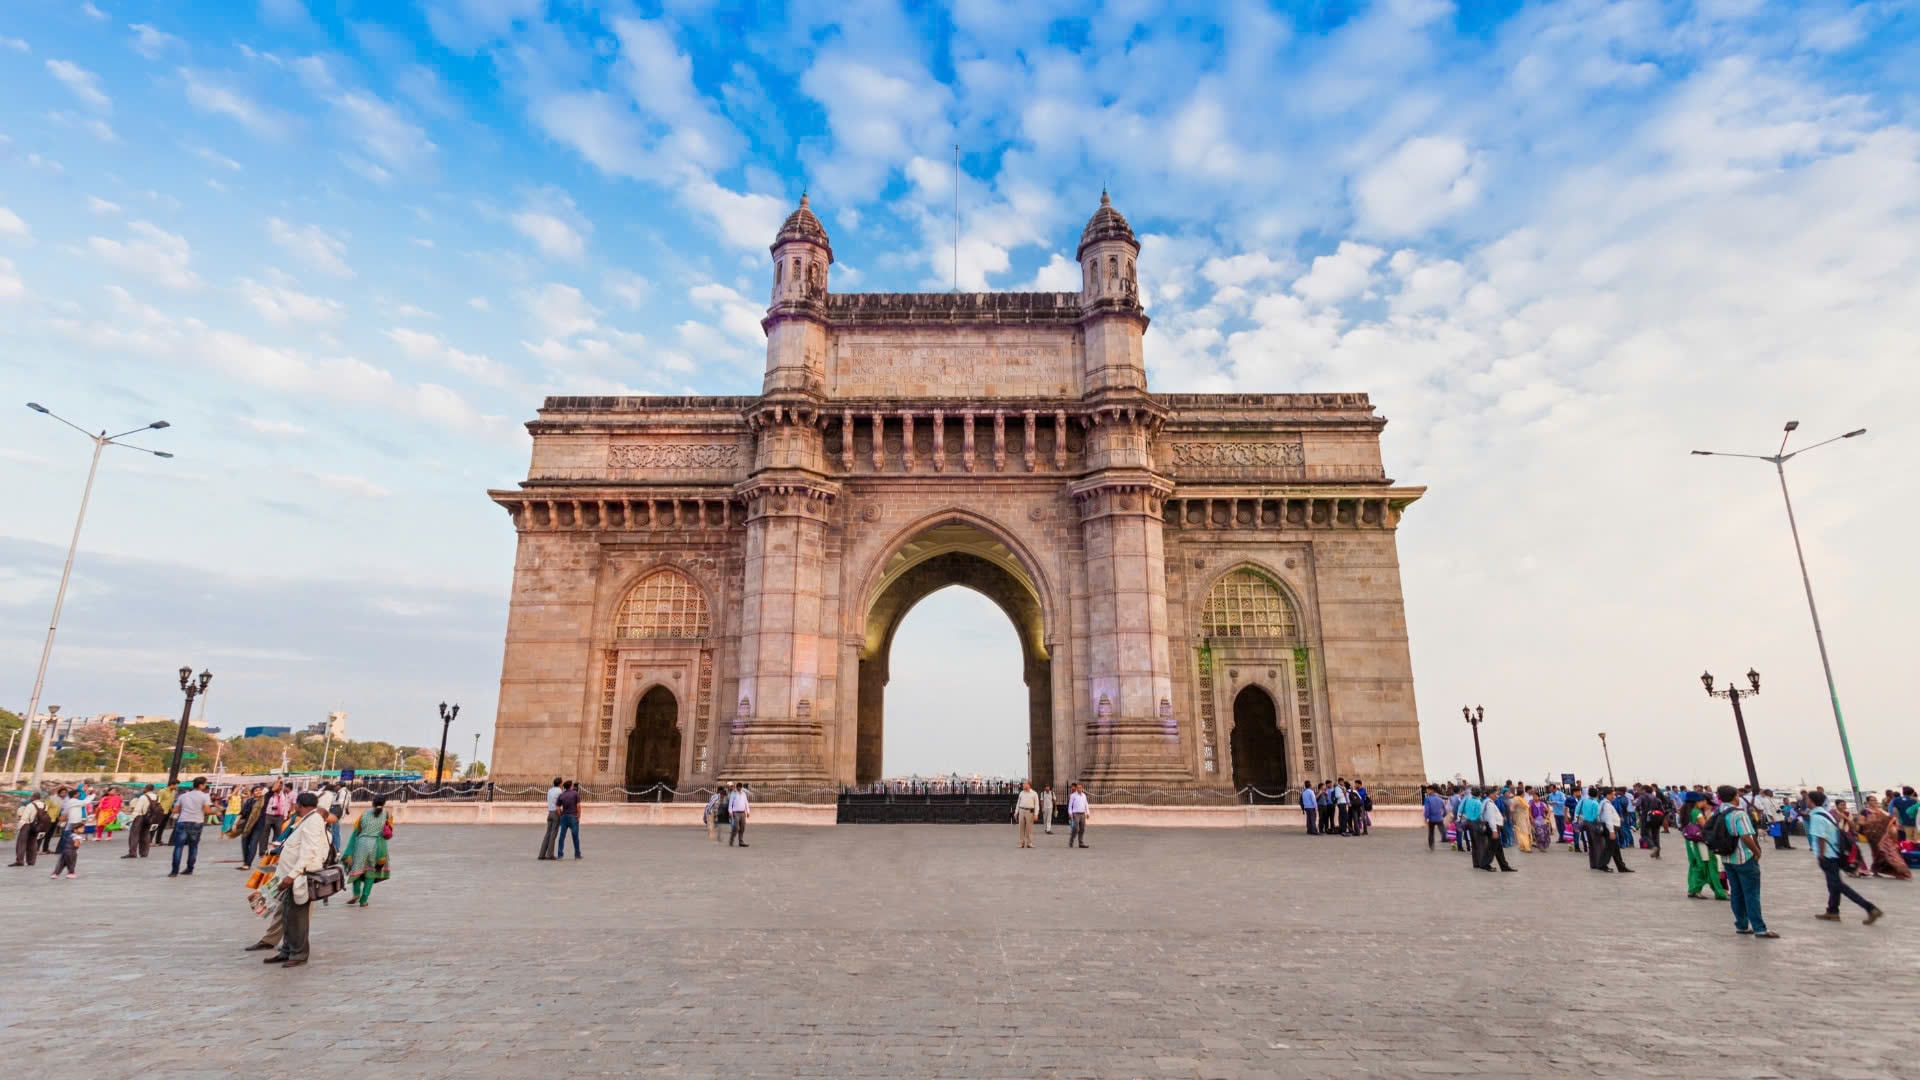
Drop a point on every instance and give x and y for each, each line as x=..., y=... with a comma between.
x=729, y=806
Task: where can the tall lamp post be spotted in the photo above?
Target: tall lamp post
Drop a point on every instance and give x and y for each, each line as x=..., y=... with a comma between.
x=1609, y=756
x=193, y=688
x=100, y=443
x=476, y=755
x=447, y=713
x=1474, y=716
x=1734, y=694
x=1779, y=459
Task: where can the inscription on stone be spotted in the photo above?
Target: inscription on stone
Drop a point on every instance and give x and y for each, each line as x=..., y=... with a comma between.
x=871, y=367
x=675, y=456
x=1202, y=454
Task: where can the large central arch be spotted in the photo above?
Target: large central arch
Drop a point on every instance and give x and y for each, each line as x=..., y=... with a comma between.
x=953, y=551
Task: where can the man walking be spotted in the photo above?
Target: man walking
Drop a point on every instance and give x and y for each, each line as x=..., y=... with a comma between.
x=553, y=819
x=1492, y=818
x=1046, y=808
x=715, y=814
x=568, y=806
x=26, y=830
x=304, y=851
x=1472, y=810
x=1606, y=839
x=1077, y=814
x=56, y=805
x=139, y=828
x=189, y=817
x=72, y=827
x=738, y=806
x=1310, y=806
x=1743, y=865
x=1823, y=833
x=1435, y=812
x=1026, y=807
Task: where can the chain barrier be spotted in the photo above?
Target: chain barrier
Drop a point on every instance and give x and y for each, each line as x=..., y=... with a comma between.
x=489, y=792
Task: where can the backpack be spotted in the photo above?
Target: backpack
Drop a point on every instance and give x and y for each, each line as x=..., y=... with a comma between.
x=1717, y=837
x=43, y=820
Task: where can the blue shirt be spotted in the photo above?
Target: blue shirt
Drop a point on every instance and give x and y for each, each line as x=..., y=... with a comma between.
x=1307, y=801
x=1472, y=809
x=1558, y=800
x=1436, y=807
x=1588, y=809
x=1739, y=824
x=1824, y=833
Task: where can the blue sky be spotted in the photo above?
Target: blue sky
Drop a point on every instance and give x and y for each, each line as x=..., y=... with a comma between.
x=346, y=247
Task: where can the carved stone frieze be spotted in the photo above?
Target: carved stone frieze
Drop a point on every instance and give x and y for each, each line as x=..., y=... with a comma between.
x=674, y=456
x=1239, y=454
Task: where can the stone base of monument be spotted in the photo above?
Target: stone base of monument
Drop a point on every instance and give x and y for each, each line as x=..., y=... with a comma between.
x=687, y=814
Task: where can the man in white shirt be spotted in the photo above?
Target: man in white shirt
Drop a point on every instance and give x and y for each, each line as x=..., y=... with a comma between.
x=738, y=805
x=1046, y=808
x=553, y=819
x=70, y=825
x=1025, y=808
x=1077, y=814
x=1491, y=850
x=139, y=829
x=1609, y=835
x=26, y=830
x=189, y=817
x=304, y=851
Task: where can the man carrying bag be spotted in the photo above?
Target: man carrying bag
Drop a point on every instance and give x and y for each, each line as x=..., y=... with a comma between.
x=305, y=851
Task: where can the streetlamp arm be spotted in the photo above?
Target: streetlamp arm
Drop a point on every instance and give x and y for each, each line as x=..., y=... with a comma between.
x=1824, y=442
x=1756, y=457
x=49, y=412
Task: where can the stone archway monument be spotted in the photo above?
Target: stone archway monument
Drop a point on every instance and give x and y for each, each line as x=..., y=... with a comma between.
x=1158, y=554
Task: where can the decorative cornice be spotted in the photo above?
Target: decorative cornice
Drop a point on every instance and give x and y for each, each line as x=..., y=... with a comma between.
x=858, y=309
x=538, y=510
x=1303, y=509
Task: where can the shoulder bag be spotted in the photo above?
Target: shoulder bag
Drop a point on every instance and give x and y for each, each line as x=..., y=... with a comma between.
x=327, y=880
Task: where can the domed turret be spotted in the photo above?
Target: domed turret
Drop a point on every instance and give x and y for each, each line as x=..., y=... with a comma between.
x=1106, y=254
x=801, y=256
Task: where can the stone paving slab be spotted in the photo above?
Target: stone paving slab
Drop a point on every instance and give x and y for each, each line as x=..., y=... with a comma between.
x=943, y=951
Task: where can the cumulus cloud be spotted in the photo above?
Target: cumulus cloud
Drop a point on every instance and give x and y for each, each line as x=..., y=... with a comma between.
x=11, y=227
x=1345, y=273
x=388, y=139
x=560, y=311
x=313, y=245
x=1422, y=183
x=554, y=224
x=152, y=253
x=424, y=346
x=151, y=42
x=285, y=306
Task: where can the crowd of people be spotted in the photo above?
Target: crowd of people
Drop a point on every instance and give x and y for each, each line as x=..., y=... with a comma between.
x=291, y=836
x=1337, y=808
x=1719, y=827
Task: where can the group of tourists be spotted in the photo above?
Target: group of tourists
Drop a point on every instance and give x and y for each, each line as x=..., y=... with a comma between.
x=1031, y=806
x=727, y=810
x=286, y=838
x=1337, y=808
x=1719, y=827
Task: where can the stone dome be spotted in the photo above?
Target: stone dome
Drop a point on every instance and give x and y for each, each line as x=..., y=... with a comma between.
x=1105, y=224
x=802, y=225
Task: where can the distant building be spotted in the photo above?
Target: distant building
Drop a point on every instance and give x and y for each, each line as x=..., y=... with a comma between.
x=270, y=732
x=315, y=729
x=153, y=720
x=336, y=726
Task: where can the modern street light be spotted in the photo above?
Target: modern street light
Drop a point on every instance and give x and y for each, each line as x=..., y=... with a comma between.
x=193, y=688
x=1779, y=459
x=1605, y=754
x=1474, y=716
x=100, y=442
x=446, y=724
x=475, y=760
x=1734, y=694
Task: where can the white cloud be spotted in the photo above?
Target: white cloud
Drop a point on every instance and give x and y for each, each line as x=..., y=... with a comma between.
x=282, y=429
x=93, y=12
x=312, y=245
x=560, y=310
x=208, y=94
x=151, y=43
x=84, y=84
x=14, y=44
x=479, y=303
x=1061, y=274
x=1345, y=273
x=214, y=157
x=357, y=486
x=424, y=346
x=393, y=141
x=152, y=253
x=554, y=224
x=11, y=227
x=285, y=306
x=881, y=118
x=11, y=287
x=626, y=287
x=1422, y=183
x=746, y=221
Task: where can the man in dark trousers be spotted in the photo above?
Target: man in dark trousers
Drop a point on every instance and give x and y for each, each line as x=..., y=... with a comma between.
x=553, y=819
x=304, y=851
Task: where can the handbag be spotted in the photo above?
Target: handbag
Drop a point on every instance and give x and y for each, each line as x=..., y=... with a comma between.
x=386, y=830
x=327, y=880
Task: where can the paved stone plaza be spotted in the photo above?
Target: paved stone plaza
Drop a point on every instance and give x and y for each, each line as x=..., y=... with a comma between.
x=944, y=951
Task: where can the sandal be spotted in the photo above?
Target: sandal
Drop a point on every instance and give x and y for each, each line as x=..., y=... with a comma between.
x=1768, y=934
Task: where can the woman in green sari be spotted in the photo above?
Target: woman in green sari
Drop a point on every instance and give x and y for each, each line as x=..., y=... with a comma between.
x=1703, y=866
x=366, y=855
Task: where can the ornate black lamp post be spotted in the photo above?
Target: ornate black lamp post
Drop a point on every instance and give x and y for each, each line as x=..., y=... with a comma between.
x=1734, y=694
x=1474, y=716
x=193, y=688
x=447, y=713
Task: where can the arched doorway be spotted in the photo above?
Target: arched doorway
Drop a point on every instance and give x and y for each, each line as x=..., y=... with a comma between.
x=653, y=748
x=955, y=552
x=1259, y=751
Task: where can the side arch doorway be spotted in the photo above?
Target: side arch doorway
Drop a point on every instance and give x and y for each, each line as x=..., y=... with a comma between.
x=653, y=748
x=1259, y=750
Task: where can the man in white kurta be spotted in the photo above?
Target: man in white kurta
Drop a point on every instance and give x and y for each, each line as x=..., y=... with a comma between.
x=304, y=851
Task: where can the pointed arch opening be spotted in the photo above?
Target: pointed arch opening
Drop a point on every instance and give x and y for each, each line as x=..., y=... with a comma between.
x=1259, y=749
x=653, y=748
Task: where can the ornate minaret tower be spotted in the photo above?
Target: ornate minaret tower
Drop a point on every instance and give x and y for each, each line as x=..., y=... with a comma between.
x=787, y=651
x=1132, y=736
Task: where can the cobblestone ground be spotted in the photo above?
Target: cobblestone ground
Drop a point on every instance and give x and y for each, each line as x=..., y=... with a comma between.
x=945, y=951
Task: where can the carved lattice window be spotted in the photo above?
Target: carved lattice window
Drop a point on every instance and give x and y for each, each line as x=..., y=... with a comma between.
x=663, y=605
x=1244, y=604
